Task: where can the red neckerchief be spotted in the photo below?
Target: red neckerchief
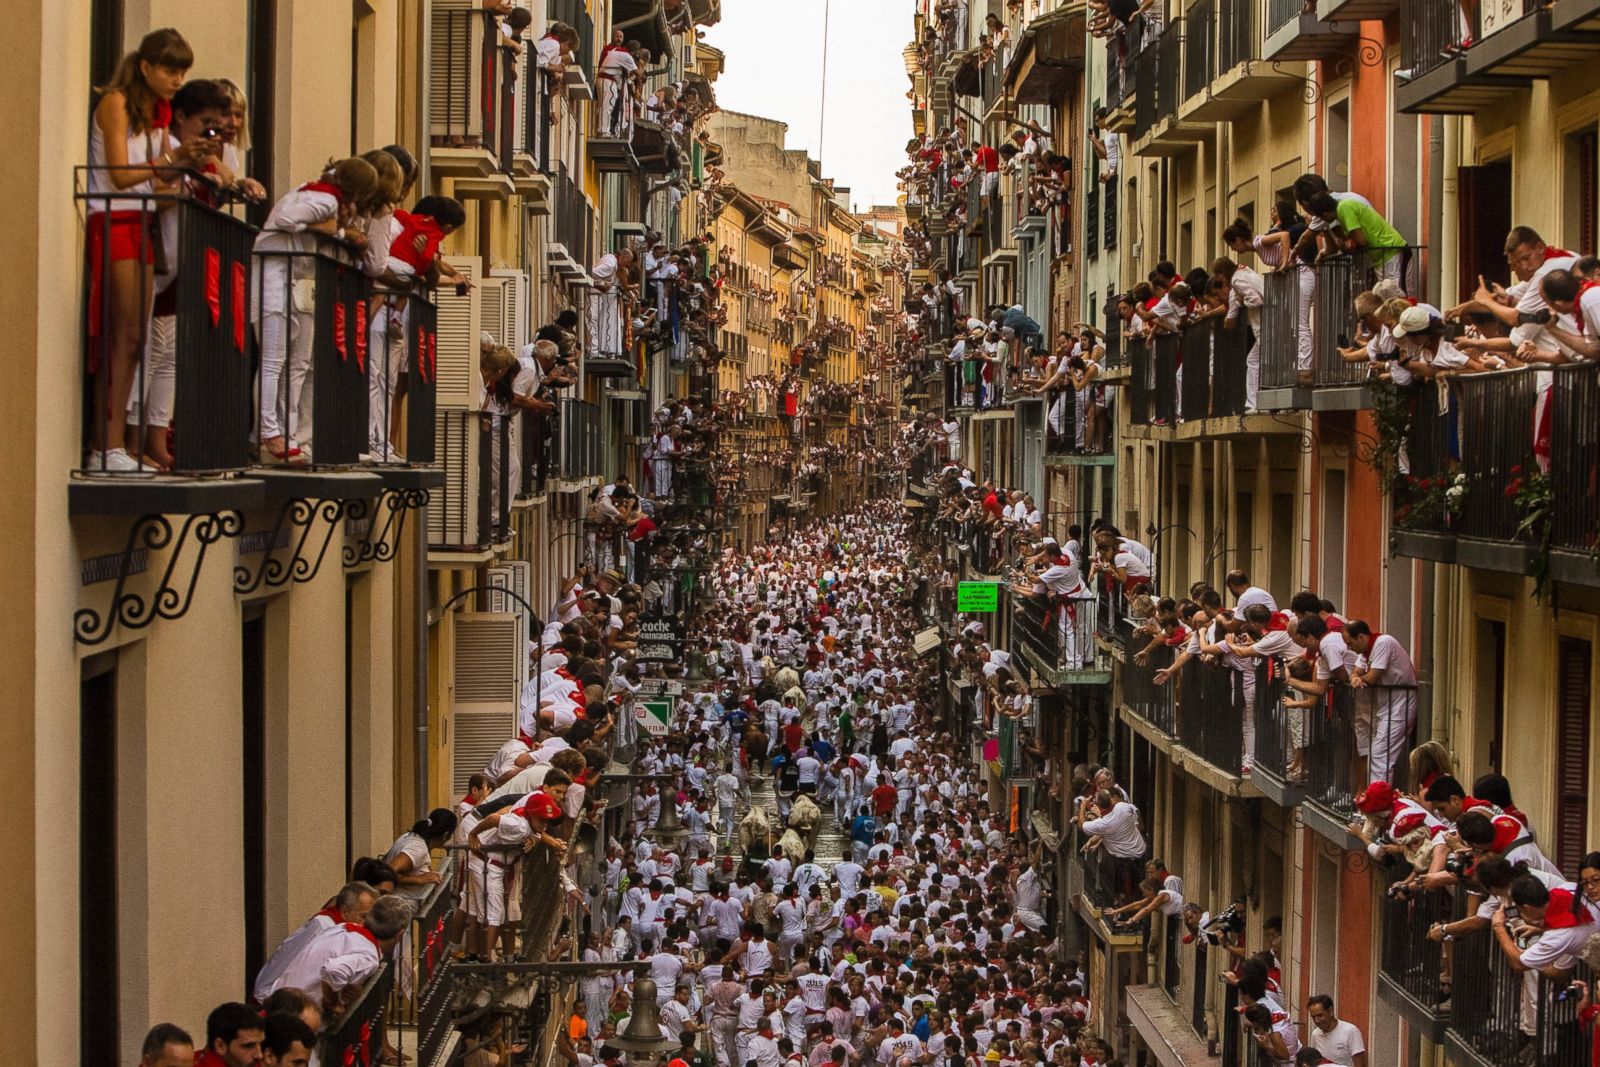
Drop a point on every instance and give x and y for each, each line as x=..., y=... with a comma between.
x=161, y=114
x=355, y=928
x=323, y=187
x=1566, y=909
x=1577, y=301
x=1556, y=253
x=332, y=911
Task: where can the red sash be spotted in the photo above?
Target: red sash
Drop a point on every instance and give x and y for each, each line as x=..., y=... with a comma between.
x=323, y=187
x=355, y=928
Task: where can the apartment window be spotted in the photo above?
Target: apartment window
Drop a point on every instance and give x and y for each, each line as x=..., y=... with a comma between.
x=1574, y=659
x=99, y=970
x=1578, y=159
x=1333, y=532
x=1244, y=526
x=1338, y=146
x=1281, y=554
x=253, y=760
x=1489, y=686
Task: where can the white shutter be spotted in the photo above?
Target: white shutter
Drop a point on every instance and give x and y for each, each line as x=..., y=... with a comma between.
x=492, y=307
x=486, y=690
x=453, y=510
x=455, y=75
x=516, y=576
x=515, y=299
x=519, y=106
x=458, y=383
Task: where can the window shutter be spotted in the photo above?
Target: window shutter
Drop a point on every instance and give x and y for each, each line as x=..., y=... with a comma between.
x=514, y=311
x=492, y=307
x=486, y=690
x=453, y=511
x=458, y=384
x=1587, y=148
x=1573, y=667
x=455, y=77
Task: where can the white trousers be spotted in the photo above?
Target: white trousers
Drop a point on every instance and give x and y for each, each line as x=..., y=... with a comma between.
x=1308, y=292
x=386, y=361
x=286, y=377
x=1252, y=374
x=160, y=373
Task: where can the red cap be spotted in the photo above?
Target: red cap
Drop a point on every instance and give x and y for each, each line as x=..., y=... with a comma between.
x=1379, y=796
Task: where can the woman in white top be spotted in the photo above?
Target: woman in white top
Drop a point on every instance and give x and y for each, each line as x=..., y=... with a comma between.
x=130, y=150
x=1275, y=250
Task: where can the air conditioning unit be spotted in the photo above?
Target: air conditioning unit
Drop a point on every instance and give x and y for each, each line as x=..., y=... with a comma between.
x=487, y=654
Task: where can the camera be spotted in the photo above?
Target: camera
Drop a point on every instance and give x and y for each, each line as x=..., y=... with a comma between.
x=211, y=133
x=1226, y=923
x=461, y=288
x=1568, y=991
x=1344, y=341
x=1459, y=863
x=1534, y=318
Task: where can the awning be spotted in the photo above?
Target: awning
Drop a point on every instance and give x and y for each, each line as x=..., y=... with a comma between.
x=926, y=641
x=1047, y=834
x=1049, y=53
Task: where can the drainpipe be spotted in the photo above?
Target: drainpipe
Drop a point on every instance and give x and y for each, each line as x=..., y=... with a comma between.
x=419, y=653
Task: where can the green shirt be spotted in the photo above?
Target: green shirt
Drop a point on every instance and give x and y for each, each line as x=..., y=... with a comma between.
x=1355, y=216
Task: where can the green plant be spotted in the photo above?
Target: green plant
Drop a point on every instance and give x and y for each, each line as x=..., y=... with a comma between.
x=1430, y=503
x=1391, y=412
x=1534, y=494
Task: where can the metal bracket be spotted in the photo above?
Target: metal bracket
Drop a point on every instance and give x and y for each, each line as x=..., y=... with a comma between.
x=169, y=601
x=299, y=567
x=382, y=541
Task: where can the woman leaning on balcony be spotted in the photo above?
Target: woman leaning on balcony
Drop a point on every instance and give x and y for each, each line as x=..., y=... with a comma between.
x=130, y=152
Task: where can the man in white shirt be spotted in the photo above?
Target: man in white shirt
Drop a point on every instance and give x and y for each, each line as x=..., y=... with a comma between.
x=1246, y=293
x=352, y=904
x=1338, y=1041
x=1238, y=583
x=1386, y=704
x=337, y=962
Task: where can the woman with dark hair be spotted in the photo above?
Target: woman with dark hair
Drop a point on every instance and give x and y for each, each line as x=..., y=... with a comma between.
x=411, y=855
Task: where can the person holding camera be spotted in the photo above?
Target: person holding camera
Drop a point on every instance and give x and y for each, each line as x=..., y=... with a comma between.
x=1273, y=1032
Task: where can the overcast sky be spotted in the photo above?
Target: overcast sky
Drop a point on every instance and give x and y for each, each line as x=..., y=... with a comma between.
x=774, y=50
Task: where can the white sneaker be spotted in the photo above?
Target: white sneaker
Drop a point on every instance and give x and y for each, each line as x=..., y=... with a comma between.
x=114, y=461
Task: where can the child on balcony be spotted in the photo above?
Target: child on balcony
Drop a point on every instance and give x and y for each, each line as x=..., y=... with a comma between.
x=130, y=150
x=286, y=297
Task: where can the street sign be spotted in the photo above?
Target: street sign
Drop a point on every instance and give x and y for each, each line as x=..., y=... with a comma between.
x=655, y=715
x=978, y=596
x=655, y=687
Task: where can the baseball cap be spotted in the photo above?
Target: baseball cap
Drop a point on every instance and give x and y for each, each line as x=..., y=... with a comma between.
x=1412, y=320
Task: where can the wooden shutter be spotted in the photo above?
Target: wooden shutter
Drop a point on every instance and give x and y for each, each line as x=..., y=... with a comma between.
x=458, y=384
x=455, y=70
x=486, y=690
x=1587, y=148
x=514, y=313
x=1573, y=670
x=1483, y=218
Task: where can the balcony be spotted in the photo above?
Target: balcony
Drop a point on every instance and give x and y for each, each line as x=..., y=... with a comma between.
x=1456, y=502
x=471, y=108
x=1154, y=707
x=1355, y=11
x=569, y=251
x=1161, y=74
x=530, y=157
x=606, y=350
x=576, y=84
x=1311, y=755
x=1048, y=53
x=1214, y=365
x=1286, y=343
x=580, y=453
x=1097, y=881
x=481, y=455
x=1501, y=1017
x=1412, y=967
x=204, y=366
x=424, y=1004
x=611, y=130
x=1211, y=709
x=1057, y=641
x=357, y=1035
x=1509, y=53
x=1293, y=33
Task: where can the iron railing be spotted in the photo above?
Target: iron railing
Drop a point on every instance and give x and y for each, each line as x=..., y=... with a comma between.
x=475, y=451
x=1409, y=958
x=1155, y=704
x=1281, y=330
x=1277, y=737
x=357, y=1035
x=538, y=115
x=313, y=309
x=1112, y=623
x=1211, y=714
x=1507, y=1019
x=1430, y=34
x=1168, y=350
x=422, y=993
x=1059, y=631
x=1495, y=427
x=574, y=218
x=1431, y=456
x=580, y=442
x=1112, y=326
x=403, y=340
x=1340, y=279
x=1236, y=33
x=1108, y=205
x=1201, y=21
x=1169, y=52
x=1230, y=355
x=1282, y=12
x=1575, y=455
x=182, y=371
x=1146, y=112
x=1336, y=768
x=1141, y=381
x=1195, y=390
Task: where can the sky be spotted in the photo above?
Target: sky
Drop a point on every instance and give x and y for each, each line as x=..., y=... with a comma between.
x=774, y=69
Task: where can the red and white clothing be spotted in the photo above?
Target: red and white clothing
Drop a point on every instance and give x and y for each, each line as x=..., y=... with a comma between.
x=616, y=103
x=1385, y=714
x=270, y=977
x=339, y=957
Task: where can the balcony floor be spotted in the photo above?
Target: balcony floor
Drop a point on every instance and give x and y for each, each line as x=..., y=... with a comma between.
x=1164, y=1028
x=163, y=495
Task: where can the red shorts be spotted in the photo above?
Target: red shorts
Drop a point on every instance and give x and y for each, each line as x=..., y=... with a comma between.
x=125, y=235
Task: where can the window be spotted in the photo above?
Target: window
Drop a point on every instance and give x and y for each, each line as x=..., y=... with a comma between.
x=1331, y=551
x=1337, y=151
x=1578, y=158
x=1574, y=660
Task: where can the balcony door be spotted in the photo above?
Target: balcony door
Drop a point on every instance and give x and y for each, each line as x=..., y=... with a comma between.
x=1483, y=218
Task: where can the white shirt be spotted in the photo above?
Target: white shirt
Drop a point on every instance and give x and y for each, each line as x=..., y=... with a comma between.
x=1332, y=654
x=1119, y=831
x=1342, y=1044
x=337, y=956
x=1256, y=595
x=284, y=956
x=1388, y=657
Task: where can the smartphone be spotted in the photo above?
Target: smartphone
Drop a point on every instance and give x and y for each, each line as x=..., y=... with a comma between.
x=461, y=288
x=1344, y=341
